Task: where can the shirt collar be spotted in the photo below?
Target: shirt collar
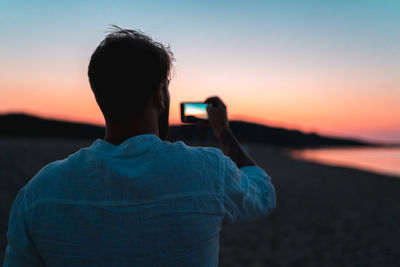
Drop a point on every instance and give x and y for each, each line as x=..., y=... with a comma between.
x=132, y=146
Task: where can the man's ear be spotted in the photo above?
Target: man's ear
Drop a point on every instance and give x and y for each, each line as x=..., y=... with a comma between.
x=159, y=98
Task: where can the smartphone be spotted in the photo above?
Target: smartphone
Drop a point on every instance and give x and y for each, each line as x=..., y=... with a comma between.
x=193, y=111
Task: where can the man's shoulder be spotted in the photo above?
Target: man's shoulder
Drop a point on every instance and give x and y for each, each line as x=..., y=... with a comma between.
x=52, y=173
x=190, y=158
x=196, y=151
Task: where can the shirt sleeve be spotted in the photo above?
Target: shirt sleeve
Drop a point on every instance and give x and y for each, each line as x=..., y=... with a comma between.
x=20, y=249
x=249, y=193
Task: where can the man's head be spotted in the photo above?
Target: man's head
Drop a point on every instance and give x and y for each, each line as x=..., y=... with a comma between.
x=126, y=71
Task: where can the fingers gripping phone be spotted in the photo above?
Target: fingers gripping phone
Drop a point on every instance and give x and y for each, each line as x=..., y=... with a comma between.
x=193, y=111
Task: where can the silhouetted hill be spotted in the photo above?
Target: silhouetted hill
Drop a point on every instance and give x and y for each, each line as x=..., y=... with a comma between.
x=26, y=125
x=257, y=133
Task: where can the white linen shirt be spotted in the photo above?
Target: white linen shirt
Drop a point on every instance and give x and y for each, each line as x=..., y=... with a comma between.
x=144, y=202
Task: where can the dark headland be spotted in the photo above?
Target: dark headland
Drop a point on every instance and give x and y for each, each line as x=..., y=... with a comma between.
x=33, y=126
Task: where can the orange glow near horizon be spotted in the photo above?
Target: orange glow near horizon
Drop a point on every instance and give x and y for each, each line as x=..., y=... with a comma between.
x=325, y=113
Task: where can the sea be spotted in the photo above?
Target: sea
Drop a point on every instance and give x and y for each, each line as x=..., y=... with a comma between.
x=382, y=160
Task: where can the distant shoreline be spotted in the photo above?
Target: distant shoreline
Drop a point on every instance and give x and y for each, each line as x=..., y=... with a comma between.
x=32, y=126
x=379, y=160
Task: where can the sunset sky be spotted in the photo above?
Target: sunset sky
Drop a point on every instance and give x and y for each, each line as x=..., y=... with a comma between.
x=327, y=66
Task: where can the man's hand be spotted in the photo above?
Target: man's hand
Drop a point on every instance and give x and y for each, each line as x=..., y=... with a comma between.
x=218, y=120
x=217, y=115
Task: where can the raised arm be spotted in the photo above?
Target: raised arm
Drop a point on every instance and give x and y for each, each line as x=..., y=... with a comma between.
x=249, y=193
x=218, y=121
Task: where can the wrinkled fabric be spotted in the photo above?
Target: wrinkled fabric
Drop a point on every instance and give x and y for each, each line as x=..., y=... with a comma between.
x=145, y=202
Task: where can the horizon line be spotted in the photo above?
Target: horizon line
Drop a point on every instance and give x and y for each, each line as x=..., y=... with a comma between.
x=45, y=117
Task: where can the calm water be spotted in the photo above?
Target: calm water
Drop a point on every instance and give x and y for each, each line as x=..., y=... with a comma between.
x=380, y=160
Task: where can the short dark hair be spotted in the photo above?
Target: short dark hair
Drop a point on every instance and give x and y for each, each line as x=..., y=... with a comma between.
x=125, y=70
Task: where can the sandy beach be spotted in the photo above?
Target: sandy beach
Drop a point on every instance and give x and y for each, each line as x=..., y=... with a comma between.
x=325, y=216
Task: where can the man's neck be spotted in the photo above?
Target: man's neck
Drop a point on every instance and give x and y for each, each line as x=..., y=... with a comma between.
x=118, y=132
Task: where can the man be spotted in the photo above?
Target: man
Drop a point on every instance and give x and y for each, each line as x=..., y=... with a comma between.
x=133, y=199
